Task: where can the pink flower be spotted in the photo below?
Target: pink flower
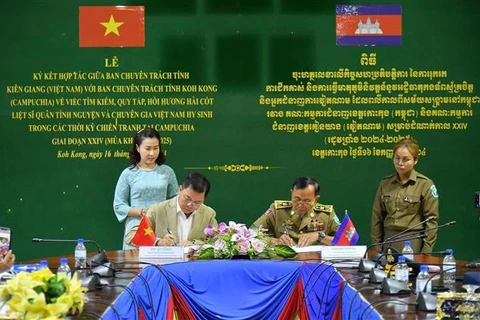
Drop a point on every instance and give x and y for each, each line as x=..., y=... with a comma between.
x=250, y=234
x=257, y=245
x=243, y=246
x=222, y=228
x=235, y=226
x=209, y=231
x=219, y=244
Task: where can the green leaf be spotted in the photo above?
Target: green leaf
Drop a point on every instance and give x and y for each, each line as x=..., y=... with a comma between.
x=38, y=289
x=206, y=254
x=263, y=255
x=284, y=251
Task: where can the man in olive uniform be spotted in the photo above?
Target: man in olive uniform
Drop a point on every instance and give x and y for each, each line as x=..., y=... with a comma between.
x=301, y=221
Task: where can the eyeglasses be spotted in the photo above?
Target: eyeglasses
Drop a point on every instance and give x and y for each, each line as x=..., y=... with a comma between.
x=399, y=160
x=190, y=202
x=303, y=201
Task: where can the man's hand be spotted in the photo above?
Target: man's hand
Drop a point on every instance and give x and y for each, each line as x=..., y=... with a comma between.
x=7, y=261
x=284, y=239
x=307, y=239
x=168, y=240
x=185, y=243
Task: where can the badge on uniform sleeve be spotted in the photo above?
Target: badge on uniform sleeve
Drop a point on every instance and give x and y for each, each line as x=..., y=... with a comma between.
x=433, y=190
x=269, y=212
x=337, y=221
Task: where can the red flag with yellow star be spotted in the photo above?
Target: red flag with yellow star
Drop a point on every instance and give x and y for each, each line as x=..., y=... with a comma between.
x=144, y=235
x=119, y=26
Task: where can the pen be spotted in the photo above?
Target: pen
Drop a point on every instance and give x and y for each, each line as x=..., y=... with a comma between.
x=170, y=232
x=285, y=228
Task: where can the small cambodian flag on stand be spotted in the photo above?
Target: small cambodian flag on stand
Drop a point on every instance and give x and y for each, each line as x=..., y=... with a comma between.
x=347, y=234
x=368, y=25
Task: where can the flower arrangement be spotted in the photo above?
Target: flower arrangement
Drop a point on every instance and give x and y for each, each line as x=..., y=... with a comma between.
x=43, y=295
x=226, y=242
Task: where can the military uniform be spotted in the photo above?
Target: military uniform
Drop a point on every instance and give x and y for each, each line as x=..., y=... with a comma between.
x=398, y=206
x=280, y=216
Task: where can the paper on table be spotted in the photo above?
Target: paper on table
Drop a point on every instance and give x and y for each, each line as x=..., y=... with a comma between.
x=307, y=249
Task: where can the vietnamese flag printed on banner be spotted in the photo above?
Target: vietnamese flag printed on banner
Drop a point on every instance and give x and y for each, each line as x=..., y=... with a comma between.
x=119, y=26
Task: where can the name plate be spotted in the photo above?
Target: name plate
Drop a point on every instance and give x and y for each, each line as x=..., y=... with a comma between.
x=161, y=255
x=352, y=253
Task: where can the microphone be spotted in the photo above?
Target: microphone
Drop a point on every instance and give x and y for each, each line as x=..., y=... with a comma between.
x=91, y=282
x=378, y=275
x=98, y=259
x=391, y=286
x=395, y=236
x=473, y=264
x=104, y=270
x=367, y=264
x=451, y=223
x=427, y=301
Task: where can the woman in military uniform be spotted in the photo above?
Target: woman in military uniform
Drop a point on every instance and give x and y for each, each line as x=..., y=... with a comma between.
x=301, y=221
x=404, y=200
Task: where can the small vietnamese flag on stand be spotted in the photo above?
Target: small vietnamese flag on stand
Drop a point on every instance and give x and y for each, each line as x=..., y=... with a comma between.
x=144, y=235
x=347, y=234
x=118, y=26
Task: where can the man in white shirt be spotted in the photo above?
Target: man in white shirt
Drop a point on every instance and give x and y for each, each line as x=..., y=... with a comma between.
x=181, y=220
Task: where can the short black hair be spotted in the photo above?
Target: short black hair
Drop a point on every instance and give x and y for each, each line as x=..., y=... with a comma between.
x=198, y=182
x=304, y=182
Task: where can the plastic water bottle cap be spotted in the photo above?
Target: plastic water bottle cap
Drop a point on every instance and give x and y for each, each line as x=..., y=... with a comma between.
x=408, y=243
x=80, y=240
x=450, y=251
x=63, y=260
x=401, y=259
x=44, y=262
x=423, y=268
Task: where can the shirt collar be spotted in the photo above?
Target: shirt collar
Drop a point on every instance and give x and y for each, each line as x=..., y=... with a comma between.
x=413, y=177
x=179, y=210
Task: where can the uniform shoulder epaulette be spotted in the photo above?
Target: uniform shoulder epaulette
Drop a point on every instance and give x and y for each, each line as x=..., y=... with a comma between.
x=327, y=208
x=280, y=204
x=389, y=176
x=419, y=175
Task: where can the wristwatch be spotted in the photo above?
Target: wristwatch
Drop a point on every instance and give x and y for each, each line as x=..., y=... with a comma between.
x=321, y=235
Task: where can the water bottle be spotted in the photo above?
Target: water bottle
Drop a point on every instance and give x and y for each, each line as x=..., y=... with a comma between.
x=449, y=269
x=408, y=251
x=80, y=256
x=43, y=264
x=64, y=269
x=401, y=270
x=423, y=279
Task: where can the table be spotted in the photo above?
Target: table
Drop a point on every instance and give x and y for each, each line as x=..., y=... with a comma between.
x=358, y=287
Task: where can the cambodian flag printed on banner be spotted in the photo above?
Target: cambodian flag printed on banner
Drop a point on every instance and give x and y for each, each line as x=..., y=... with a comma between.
x=347, y=234
x=369, y=25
